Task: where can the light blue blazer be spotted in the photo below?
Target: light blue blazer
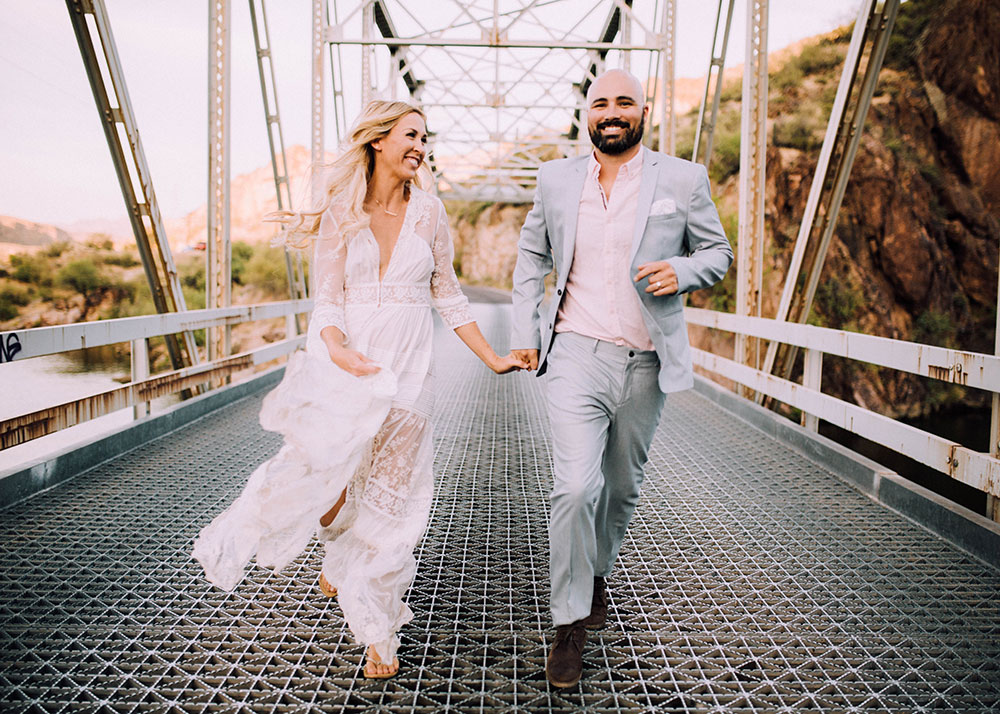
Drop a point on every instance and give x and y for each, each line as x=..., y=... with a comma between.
x=675, y=220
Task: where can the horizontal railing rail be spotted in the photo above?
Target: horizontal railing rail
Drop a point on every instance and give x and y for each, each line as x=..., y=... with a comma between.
x=41, y=341
x=972, y=369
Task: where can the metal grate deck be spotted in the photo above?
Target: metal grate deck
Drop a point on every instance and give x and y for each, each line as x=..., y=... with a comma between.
x=751, y=580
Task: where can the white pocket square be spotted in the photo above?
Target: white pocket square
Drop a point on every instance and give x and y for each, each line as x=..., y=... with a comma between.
x=663, y=207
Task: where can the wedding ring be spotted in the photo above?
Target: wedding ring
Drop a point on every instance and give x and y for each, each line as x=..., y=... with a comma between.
x=656, y=284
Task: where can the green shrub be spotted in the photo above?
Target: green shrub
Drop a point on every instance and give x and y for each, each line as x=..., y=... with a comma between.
x=838, y=302
x=56, y=249
x=81, y=276
x=266, y=270
x=241, y=255
x=725, y=155
x=911, y=21
x=790, y=75
x=192, y=273
x=934, y=328
x=818, y=58
x=796, y=131
x=100, y=241
x=123, y=259
x=732, y=91
x=34, y=269
x=14, y=294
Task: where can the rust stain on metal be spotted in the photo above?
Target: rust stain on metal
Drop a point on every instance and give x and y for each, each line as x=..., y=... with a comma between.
x=955, y=373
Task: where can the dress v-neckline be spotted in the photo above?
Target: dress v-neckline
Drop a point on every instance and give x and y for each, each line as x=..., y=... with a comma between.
x=392, y=251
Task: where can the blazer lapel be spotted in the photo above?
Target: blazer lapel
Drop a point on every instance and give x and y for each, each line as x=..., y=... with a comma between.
x=647, y=189
x=573, y=192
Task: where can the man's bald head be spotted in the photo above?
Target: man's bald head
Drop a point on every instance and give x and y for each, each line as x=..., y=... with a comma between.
x=616, y=113
x=616, y=82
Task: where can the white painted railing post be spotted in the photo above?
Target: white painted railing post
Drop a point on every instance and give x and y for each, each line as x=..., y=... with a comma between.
x=291, y=328
x=140, y=370
x=812, y=378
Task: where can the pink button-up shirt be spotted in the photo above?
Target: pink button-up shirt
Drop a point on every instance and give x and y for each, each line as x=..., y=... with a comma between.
x=600, y=299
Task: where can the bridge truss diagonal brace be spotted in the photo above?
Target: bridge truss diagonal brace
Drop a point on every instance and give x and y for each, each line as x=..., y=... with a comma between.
x=872, y=31
x=91, y=25
x=294, y=267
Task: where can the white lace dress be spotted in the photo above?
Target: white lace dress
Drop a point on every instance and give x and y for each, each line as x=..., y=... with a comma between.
x=370, y=435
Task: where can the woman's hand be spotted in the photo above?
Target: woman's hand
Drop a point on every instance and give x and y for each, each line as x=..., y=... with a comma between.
x=352, y=361
x=508, y=363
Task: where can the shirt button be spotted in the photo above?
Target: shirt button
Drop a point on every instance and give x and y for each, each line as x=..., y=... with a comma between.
x=631, y=354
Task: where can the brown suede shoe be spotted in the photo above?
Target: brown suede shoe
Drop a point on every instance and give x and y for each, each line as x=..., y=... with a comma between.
x=598, y=607
x=565, y=663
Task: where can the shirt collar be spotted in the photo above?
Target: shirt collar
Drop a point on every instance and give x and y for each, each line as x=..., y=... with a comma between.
x=629, y=169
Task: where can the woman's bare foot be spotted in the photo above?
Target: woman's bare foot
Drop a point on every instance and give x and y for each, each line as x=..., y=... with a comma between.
x=327, y=518
x=325, y=587
x=375, y=668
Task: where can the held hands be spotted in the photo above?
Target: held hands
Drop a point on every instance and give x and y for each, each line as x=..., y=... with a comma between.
x=351, y=361
x=509, y=363
x=662, y=278
x=528, y=358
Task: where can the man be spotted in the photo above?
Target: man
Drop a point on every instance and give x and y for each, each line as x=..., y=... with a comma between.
x=628, y=231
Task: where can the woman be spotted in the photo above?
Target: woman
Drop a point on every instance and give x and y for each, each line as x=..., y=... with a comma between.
x=355, y=410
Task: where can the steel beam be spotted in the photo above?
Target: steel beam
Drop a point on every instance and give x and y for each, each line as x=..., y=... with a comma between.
x=276, y=140
x=705, y=127
x=993, y=502
x=500, y=44
x=218, y=272
x=843, y=135
x=668, y=122
x=319, y=11
x=115, y=109
x=750, y=245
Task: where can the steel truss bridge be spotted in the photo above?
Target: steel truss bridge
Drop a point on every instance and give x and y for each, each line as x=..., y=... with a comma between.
x=768, y=569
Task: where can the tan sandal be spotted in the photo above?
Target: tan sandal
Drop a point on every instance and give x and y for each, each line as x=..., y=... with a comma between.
x=325, y=587
x=374, y=661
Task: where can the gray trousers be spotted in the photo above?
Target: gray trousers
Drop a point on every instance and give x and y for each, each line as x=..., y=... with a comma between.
x=604, y=406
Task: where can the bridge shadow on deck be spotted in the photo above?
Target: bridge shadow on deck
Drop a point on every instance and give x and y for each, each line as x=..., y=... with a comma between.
x=751, y=580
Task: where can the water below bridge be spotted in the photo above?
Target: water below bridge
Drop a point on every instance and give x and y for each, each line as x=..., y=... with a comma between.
x=752, y=579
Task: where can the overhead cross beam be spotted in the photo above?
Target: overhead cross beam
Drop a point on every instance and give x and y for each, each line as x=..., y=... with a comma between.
x=502, y=81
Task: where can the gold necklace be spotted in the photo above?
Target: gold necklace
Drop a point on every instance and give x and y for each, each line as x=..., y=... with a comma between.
x=385, y=210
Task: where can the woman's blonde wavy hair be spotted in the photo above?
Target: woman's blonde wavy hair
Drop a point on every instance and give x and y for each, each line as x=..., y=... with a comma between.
x=346, y=179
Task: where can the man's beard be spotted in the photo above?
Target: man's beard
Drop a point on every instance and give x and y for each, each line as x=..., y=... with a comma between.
x=615, y=145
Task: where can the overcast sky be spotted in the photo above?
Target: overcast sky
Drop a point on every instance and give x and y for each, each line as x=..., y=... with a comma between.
x=55, y=163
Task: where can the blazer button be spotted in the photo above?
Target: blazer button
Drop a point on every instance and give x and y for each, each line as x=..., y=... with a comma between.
x=559, y=291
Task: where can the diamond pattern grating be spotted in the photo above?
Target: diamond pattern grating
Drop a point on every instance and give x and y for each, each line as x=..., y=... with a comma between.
x=751, y=580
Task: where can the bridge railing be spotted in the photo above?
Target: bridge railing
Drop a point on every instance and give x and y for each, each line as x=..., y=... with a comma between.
x=36, y=342
x=969, y=369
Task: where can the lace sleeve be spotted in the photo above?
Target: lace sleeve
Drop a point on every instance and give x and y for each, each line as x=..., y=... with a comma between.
x=446, y=294
x=328, y=276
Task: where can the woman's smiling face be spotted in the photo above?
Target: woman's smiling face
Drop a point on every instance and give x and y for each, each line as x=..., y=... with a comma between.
x=403, y=149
